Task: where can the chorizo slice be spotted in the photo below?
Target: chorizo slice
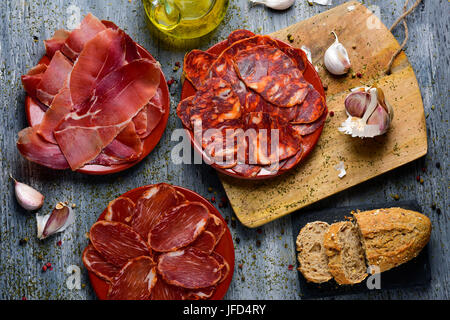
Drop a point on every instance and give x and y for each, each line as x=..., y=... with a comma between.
x=273, y=74
x=308, y=128
x=116, y=242
x=120, y=210
x=179, y=227
x=246, y=170
x=196, y=65
x=206, y=242
x=95, y=263
x=151, y=206
x=183, y=111
x=311, y=108
x=189, y=268
x=134, y=281
x=262, y=149
x=255, y=103
x=298, y=55
x=238, y=35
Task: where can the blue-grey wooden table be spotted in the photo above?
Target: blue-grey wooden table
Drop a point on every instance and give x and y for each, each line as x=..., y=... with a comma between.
x=265, y=273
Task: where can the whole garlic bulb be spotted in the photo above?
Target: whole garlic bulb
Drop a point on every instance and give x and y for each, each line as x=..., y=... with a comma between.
x=369, y=114
x=336, y=58
x=275, y=4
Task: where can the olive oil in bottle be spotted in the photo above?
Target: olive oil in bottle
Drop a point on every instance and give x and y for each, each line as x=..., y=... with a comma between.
x=186, y=19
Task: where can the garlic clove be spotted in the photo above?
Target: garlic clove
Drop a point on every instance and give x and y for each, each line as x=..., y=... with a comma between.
x=356, y=103
x=57, y=221
x=336, y=58
x=380, y=118
x=275, y=4
x=27, y=197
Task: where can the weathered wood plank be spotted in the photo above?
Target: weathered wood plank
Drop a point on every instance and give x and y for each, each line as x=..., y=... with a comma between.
x=265, y=267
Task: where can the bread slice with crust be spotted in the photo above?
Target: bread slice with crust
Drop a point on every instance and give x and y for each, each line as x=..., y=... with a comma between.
x=311, y=252
x=346, y=259
x=392, y=236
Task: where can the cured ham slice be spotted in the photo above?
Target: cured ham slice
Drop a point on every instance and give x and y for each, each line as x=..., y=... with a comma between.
x=117, y=242
x=311, y=109
x=74, y=44
x=240, y=34
x=31, y=80
x=120, y=210
x=224, y=266
x=36, y=149
x=206, y=242
x=273, y=74
x=131, y=49
x=189, y=268
x=196, y=66
x=56, y=42
x=127, y=146
x=95, y=263
x=152, y=205
x=149, y=117
x=216, y=227
x=165, y=291
x=135, y=280
x=179, y=227
x=101, y=55
x=53, y=78
x=118, y=97
x=60, y=107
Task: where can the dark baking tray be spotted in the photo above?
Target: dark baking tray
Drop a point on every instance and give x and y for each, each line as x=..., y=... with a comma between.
x=413, y=274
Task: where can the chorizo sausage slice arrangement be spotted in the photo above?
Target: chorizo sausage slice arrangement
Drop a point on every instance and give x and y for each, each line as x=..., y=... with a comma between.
x=159, y=247
x=255, y=85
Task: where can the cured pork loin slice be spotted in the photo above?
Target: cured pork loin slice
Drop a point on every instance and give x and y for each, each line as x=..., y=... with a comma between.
x=164, y=291
x=189, y=268
x=179, y=227
x=118, y=97
x=217, y=227
x=135, y=281
x=117, y=242
x=120, y=210
x=95, y=263
x=196, y=66
x=75, y=42
x=152, y=205
x=199, y=294
x=224, y=266
x=273, y=74
x=206, y=242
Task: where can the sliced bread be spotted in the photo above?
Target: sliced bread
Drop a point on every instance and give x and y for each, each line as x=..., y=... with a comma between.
x=392, y=236
x=311, y=253
x=345, y=252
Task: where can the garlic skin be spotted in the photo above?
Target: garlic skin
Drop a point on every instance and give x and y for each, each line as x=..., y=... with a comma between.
x=58, y=220
x=28, y=198
x=369, y=114
x=275, y=4
x=336, y=58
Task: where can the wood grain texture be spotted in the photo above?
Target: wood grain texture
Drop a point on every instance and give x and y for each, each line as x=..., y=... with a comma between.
x=256, y=203
x=264, y=273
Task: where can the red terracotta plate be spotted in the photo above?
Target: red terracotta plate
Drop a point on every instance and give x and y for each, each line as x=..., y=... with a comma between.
x=35, y=114
x=309, y=141
x=225, y=247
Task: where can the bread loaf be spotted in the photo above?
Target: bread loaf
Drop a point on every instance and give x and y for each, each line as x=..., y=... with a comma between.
x=392, y=236
x=345, y=253
x=312, y=258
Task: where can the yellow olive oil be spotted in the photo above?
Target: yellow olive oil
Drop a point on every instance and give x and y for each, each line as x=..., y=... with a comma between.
x=186, y=19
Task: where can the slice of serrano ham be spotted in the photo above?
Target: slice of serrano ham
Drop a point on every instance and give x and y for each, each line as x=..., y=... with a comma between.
x=118, y=97
x=134, y=281
x=151, y=206
x=117, y=242
x=120, y=210
x=95, y=263
x=56, y=42
x=179, y=227
x=189, y=268
x=206, y=242
x=31, y=80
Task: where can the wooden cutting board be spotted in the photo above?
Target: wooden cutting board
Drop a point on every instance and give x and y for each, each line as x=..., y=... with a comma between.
x=370, y=46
